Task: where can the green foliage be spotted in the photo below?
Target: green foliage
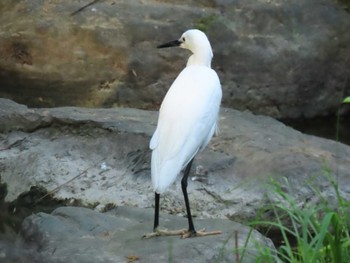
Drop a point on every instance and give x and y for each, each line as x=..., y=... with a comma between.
x=345, y=4
x=346, y=100
x=316, y=233
x=204, y=23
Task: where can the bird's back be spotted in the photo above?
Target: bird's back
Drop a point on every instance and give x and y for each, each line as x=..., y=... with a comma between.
x=187, y=121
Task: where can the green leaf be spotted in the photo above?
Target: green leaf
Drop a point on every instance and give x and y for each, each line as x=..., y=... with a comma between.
x=346, y=100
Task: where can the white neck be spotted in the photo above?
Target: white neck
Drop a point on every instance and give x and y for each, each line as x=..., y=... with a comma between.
x=202, y=55
x=200, y=60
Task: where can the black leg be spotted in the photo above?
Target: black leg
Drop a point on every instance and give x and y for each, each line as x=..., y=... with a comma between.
x=187, y=203
x=191, y=232
x=156, y=212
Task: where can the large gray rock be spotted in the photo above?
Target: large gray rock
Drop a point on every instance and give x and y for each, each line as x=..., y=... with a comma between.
x=278, y=58
x=80, y=235
x=285, y=59
x=109, y=149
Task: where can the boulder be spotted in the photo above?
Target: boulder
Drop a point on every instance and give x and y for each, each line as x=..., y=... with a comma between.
x=286, y=59
x=80, y=235
x=101, y=156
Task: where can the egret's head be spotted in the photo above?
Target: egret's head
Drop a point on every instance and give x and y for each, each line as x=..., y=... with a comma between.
x=193, y=39
x=197, y=42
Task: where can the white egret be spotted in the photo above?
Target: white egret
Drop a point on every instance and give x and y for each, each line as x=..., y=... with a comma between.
x=187, y=121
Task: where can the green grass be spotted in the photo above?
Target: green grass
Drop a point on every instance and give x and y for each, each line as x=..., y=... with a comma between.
x=316, y=230
x=319, y=232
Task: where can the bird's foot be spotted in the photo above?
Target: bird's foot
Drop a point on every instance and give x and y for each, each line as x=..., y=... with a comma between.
x=199, y=233
x=165, y=232
x=184, y=233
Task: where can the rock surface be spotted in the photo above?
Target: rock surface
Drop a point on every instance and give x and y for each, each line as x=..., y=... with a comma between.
x=285, y=59
x=80, y=235
x=105, y=152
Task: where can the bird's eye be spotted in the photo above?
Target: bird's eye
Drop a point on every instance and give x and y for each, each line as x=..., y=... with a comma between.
x=183, y=39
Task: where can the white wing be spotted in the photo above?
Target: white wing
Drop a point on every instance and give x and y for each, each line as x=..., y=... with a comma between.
x=187, y=121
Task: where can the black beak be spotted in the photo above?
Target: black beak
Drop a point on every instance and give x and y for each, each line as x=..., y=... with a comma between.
x=174, y=43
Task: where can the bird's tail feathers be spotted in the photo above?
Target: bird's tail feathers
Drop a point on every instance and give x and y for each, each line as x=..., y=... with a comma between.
x=163, y=173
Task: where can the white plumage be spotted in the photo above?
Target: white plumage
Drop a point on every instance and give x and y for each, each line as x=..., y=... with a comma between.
x=188, y=114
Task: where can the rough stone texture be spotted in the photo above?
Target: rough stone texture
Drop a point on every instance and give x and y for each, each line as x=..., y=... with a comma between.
x=285, y=59
x=48, y=147
x=72, y=235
